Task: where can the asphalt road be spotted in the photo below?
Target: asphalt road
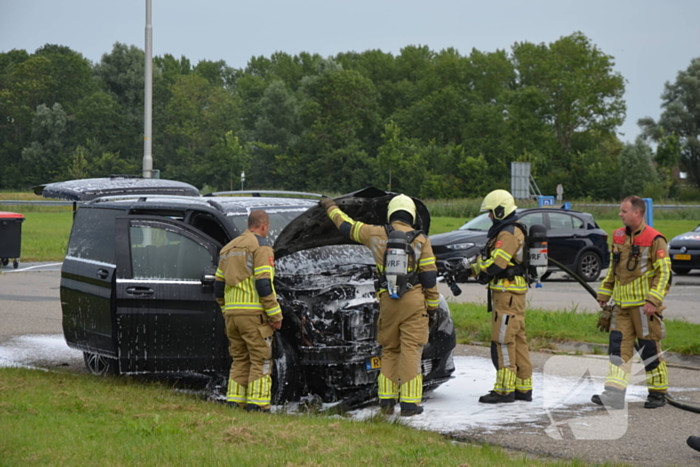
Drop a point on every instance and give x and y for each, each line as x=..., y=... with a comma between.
x=560, y=292
x=29, y=304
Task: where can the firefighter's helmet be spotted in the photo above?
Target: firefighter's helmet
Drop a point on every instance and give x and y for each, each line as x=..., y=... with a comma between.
x=401, y=203
x=500, y=202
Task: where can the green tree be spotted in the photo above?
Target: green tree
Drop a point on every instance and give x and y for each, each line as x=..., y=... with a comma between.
x=71, y=76
x=100, y=117
x=121, y=73
x=278, y=117
x=637, y=171
x=78, y=165
x=198, y=118
x=681, y=116
x=578, y=87
x=668, y=154
x=47, y=155
x=340, y=113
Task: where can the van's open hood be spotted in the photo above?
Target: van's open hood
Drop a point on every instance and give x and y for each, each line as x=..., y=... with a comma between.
x=313, y=228
x=91, y=188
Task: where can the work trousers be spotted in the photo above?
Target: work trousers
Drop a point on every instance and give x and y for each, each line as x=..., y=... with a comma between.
x=402, y=331
x=630, y=330
x=250, y=346
x=509, y=351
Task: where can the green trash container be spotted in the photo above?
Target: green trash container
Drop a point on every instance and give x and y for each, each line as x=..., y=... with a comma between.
x=10, y=237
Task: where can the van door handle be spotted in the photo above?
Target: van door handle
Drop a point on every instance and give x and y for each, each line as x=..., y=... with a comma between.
x=140, y=291
x=102, y=273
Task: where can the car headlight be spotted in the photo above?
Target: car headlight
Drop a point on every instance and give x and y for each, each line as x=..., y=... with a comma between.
x=460, y=246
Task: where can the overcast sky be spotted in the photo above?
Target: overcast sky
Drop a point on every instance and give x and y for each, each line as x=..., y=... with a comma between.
x=651, y=40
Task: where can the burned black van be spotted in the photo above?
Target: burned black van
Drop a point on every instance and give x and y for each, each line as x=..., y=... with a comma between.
x=137, y=289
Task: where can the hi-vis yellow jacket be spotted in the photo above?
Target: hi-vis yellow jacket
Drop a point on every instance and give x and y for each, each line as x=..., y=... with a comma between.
x=375, y=238
x=247, y=266
x=640, y=268
x=504, y=250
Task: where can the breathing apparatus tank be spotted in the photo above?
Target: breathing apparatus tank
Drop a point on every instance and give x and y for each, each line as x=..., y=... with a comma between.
x=537, y=250
x=396, y=263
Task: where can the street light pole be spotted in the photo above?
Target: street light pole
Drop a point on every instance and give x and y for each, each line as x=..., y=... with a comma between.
x=242, y=179
x=148, y=98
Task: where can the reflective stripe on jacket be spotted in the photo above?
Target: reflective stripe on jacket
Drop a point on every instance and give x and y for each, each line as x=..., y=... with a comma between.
x=505, y=250
x=245, y=260
x=375, y=238
x=636, y=279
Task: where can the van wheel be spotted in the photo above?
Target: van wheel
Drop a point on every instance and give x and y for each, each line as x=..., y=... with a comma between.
x=589, y=266
x=286, y=380
x=99, y=365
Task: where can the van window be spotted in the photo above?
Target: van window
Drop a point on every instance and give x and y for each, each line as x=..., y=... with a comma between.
x=92, y=236
x=160, y=253
x=279, y=218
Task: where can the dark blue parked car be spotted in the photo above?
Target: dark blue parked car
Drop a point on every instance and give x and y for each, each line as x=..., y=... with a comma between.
x=575, y=240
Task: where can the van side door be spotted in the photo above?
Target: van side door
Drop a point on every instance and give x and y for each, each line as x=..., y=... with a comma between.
x=166, y=316
x=87, y=281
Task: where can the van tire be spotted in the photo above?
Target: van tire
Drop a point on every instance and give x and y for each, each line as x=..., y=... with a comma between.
x=286, y=381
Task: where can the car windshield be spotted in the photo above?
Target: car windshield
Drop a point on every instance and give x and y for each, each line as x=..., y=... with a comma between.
x=279, y=218
x=482, y=223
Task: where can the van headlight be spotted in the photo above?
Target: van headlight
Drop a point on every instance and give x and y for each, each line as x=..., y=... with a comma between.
x=460, y=246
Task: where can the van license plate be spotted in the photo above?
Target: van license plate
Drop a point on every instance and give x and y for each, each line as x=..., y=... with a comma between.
x=682, y=257
x=373, y=363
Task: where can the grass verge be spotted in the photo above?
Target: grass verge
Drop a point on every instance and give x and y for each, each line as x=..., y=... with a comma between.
x=545, y=328
x=51, y=418
x=45, y=231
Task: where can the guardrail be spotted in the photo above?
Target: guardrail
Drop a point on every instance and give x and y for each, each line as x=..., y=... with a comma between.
x=656, y=206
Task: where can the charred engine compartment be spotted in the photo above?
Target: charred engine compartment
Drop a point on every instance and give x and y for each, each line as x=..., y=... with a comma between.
x=330, y=311
x=328, y=342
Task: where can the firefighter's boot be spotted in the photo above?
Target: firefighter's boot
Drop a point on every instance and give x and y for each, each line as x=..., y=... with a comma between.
x=694, y=442
x=494, y=397
x=386, y=406
x=388, y=394
x=523, y=395
x=409, y=409
x=655, y=400
x=257, y=408
x=611, y=398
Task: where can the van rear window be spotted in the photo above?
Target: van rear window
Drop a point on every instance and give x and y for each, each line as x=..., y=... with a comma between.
x=92, y=236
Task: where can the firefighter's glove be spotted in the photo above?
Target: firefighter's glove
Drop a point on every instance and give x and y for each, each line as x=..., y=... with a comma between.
x=326, y=203
x=483, y=278
x=604, y=319
x=221, y=302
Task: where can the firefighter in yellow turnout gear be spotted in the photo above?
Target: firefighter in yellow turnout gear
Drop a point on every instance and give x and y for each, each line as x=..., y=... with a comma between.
x=501, y=269
x=637, y=281
x=244, y=288
x=403, y=321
